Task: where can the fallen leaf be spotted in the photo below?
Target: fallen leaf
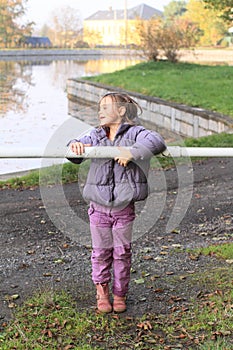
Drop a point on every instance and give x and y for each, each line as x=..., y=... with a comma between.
x=182, y=277
x=203, y=234
x=145, y=274
x=14, y=296
x=11, y=297
x=177, y=245
x=163, y=253
x=176, y=298
x=30, y=252
x=59, y=261
x=12, y=305
x=177, y=231
x=139, y=281
x=146, y=250
x=229, y=261
x=147, y=257
x=146, y=325
x=50, y=334
x=194, y=257
x=180, y=336
x=158, y=258
x=154, y=277
x=158, y=290
x=142, y=299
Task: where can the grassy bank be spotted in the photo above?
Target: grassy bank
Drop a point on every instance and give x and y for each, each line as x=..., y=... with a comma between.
x=204, y=86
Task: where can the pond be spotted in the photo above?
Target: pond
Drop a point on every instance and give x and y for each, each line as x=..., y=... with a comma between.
x=34, y=104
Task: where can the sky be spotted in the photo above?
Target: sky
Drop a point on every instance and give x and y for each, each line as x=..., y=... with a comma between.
x=40, y=11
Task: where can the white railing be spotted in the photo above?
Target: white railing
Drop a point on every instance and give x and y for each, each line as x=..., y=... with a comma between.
x=112, y=152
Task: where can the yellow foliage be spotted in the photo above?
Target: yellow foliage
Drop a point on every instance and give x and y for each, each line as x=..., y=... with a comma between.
x=212, y=26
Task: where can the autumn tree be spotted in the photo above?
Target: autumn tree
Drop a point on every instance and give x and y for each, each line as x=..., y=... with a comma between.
x=225, y=6
x=161, y=38
x=174, y=9
x=92, y=37
x=208, y=21
x=147, y=33
x=45, y=30
x=11, y=30
x=66, y=26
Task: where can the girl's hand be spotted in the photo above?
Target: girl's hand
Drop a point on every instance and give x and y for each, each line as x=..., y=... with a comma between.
x=124, y=157
x=78, y=147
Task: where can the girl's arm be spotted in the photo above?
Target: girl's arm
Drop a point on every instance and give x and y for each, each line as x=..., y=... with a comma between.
x=77, y=146
x=124, y=157
x=148, y=143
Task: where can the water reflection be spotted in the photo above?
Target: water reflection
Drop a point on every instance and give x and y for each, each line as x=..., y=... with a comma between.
x=34, y=103
x=15, y=78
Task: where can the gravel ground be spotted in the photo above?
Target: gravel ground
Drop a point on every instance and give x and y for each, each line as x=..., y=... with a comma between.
x=39, y=254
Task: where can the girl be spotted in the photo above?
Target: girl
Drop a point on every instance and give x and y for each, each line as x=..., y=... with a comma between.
x=112, y=187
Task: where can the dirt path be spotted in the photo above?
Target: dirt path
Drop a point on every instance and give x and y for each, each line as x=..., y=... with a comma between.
x=35, y=255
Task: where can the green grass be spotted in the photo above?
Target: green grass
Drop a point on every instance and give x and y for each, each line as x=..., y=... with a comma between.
x=54, y=174
x=223, y=251
x=204, y=86
x=215, y=140
x=51, y=320
x=46, y=321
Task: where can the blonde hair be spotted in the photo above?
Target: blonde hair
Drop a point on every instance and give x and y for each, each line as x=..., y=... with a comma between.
x=132, y=108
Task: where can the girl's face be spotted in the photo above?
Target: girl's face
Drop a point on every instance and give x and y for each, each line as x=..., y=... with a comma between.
x=109, y=113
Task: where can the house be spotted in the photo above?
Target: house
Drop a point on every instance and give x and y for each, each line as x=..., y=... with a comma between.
x=34, y=41
x=116, y=27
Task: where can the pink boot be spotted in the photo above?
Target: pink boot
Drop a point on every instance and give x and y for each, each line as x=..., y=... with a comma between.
x=103, y=302
x=119, y=304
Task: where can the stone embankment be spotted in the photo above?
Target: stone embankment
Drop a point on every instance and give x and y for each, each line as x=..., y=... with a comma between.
x=180, y=119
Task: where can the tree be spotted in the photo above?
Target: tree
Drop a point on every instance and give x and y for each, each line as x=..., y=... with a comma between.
x=167, y=39
x=226, y=6
x=147, y=32
x=180, y=34
x=174, y=9
x=11, y=30
x=45, y=30
x=66, y=25
x=92, y=37
x=209, y=21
